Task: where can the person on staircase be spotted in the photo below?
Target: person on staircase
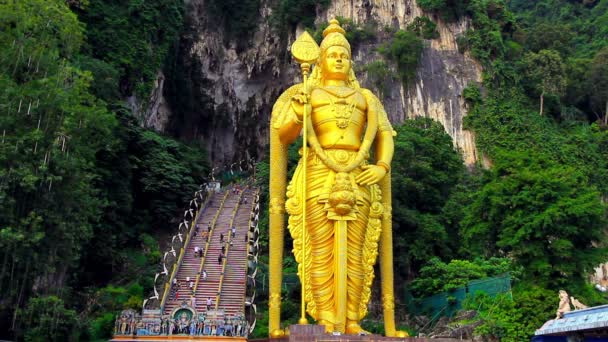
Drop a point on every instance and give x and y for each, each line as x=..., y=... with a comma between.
x=204, y=275
x=209, y=302
x=233, y=231
x=193, y=301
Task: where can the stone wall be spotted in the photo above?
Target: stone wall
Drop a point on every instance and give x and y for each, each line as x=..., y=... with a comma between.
x=222, y=94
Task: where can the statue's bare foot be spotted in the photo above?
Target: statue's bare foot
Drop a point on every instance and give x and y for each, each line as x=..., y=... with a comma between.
x=401, y=333
x=353, y=328
x=329, y=327
x=277, y=333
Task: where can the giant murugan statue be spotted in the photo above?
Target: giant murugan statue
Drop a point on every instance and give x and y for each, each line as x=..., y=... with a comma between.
x=338, y=200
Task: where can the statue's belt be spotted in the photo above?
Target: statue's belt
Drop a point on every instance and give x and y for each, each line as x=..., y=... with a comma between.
x=340, y=156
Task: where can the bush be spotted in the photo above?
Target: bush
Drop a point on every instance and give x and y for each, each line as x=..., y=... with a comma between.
x=378, y=73
x=289, y=13
x=472, y=95
x=404, y=49
x=102, y=327
x=424, y=28
x=513, y=318
x=437, y=276
x=47, y=319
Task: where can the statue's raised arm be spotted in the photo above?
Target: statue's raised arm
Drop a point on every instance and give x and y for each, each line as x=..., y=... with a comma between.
x=338, y=199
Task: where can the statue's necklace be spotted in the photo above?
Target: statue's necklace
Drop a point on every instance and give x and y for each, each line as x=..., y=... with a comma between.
x=342, y=111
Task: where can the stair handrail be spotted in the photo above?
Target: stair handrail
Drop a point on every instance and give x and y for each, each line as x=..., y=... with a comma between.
x=221, y=283
x=199, y=209
x=177, y=265
x=253, y=203
x=213, y=224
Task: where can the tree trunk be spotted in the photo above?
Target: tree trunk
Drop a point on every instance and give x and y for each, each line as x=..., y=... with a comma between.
x=542, y=100
x=606, y=114
x=4, y=267
x=20, y=296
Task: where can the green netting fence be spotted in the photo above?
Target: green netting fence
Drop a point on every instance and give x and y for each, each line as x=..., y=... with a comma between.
x=448, y=303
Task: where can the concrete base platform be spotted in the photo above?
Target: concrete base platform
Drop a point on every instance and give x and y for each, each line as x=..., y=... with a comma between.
x=176, y=338
x=316, y=333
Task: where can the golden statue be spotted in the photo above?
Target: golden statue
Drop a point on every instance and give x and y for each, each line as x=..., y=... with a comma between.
x=339, y=204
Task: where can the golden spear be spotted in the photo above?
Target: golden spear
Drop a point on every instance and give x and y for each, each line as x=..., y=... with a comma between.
x=305, y=51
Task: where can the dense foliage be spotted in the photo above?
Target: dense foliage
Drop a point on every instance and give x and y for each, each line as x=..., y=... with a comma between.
x=437, y=276
x=129, y=40
x=82, y=187
x=544, y=215
x=289, y=13
x=404, y=49
x=239, y=17
x=425, y=170
x=512, y=317
x=85, y=193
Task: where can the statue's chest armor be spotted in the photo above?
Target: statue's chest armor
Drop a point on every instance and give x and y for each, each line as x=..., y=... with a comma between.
x=338, y=116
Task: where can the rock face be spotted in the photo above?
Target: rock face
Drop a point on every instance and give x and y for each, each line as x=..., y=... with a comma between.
x=221, y=92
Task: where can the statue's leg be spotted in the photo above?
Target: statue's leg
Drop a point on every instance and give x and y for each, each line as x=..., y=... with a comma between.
x=322, y=266
x=356, y=271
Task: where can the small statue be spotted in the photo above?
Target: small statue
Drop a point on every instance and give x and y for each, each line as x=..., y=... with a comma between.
x=564, y=304
x=163, y=326
x=577, y=305
x=123, y=324
x=117, y=326
x=192, y=327
x=171, y=327
x=132, y=326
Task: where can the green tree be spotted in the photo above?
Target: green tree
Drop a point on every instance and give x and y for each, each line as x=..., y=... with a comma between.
x=404, y=49
x=597, y=77
x=133, y=37
x=542, y=214
x=545, y=70
x=378, y=73
x=450, y=10
x=47, y=319
x=425, y=169
x=424, y=28
x=513, y=318
x=437, y=276
x=52, y=129
x=240, y=17
x=550, y=36
x=289, y=13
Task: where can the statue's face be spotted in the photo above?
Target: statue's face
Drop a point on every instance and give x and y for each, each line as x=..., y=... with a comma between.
x=336, y=64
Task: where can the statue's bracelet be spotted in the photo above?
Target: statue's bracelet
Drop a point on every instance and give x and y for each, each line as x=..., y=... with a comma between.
x=384, y=165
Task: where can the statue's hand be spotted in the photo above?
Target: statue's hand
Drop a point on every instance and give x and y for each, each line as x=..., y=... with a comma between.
x=372, y=174
x=299, y=104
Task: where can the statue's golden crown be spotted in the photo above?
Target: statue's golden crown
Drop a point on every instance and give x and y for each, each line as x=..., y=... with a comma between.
x=333, y=35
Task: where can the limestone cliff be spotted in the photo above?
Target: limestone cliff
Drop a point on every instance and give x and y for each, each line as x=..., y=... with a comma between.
x=222, y=93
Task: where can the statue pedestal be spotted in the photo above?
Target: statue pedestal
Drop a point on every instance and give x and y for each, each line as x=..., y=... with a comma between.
x=313, y=332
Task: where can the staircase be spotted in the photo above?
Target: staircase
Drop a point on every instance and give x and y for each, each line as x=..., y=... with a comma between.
x=233, y=283
x=226, y=289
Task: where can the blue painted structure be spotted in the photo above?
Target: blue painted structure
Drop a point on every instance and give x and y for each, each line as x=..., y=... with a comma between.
x=589, y=324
